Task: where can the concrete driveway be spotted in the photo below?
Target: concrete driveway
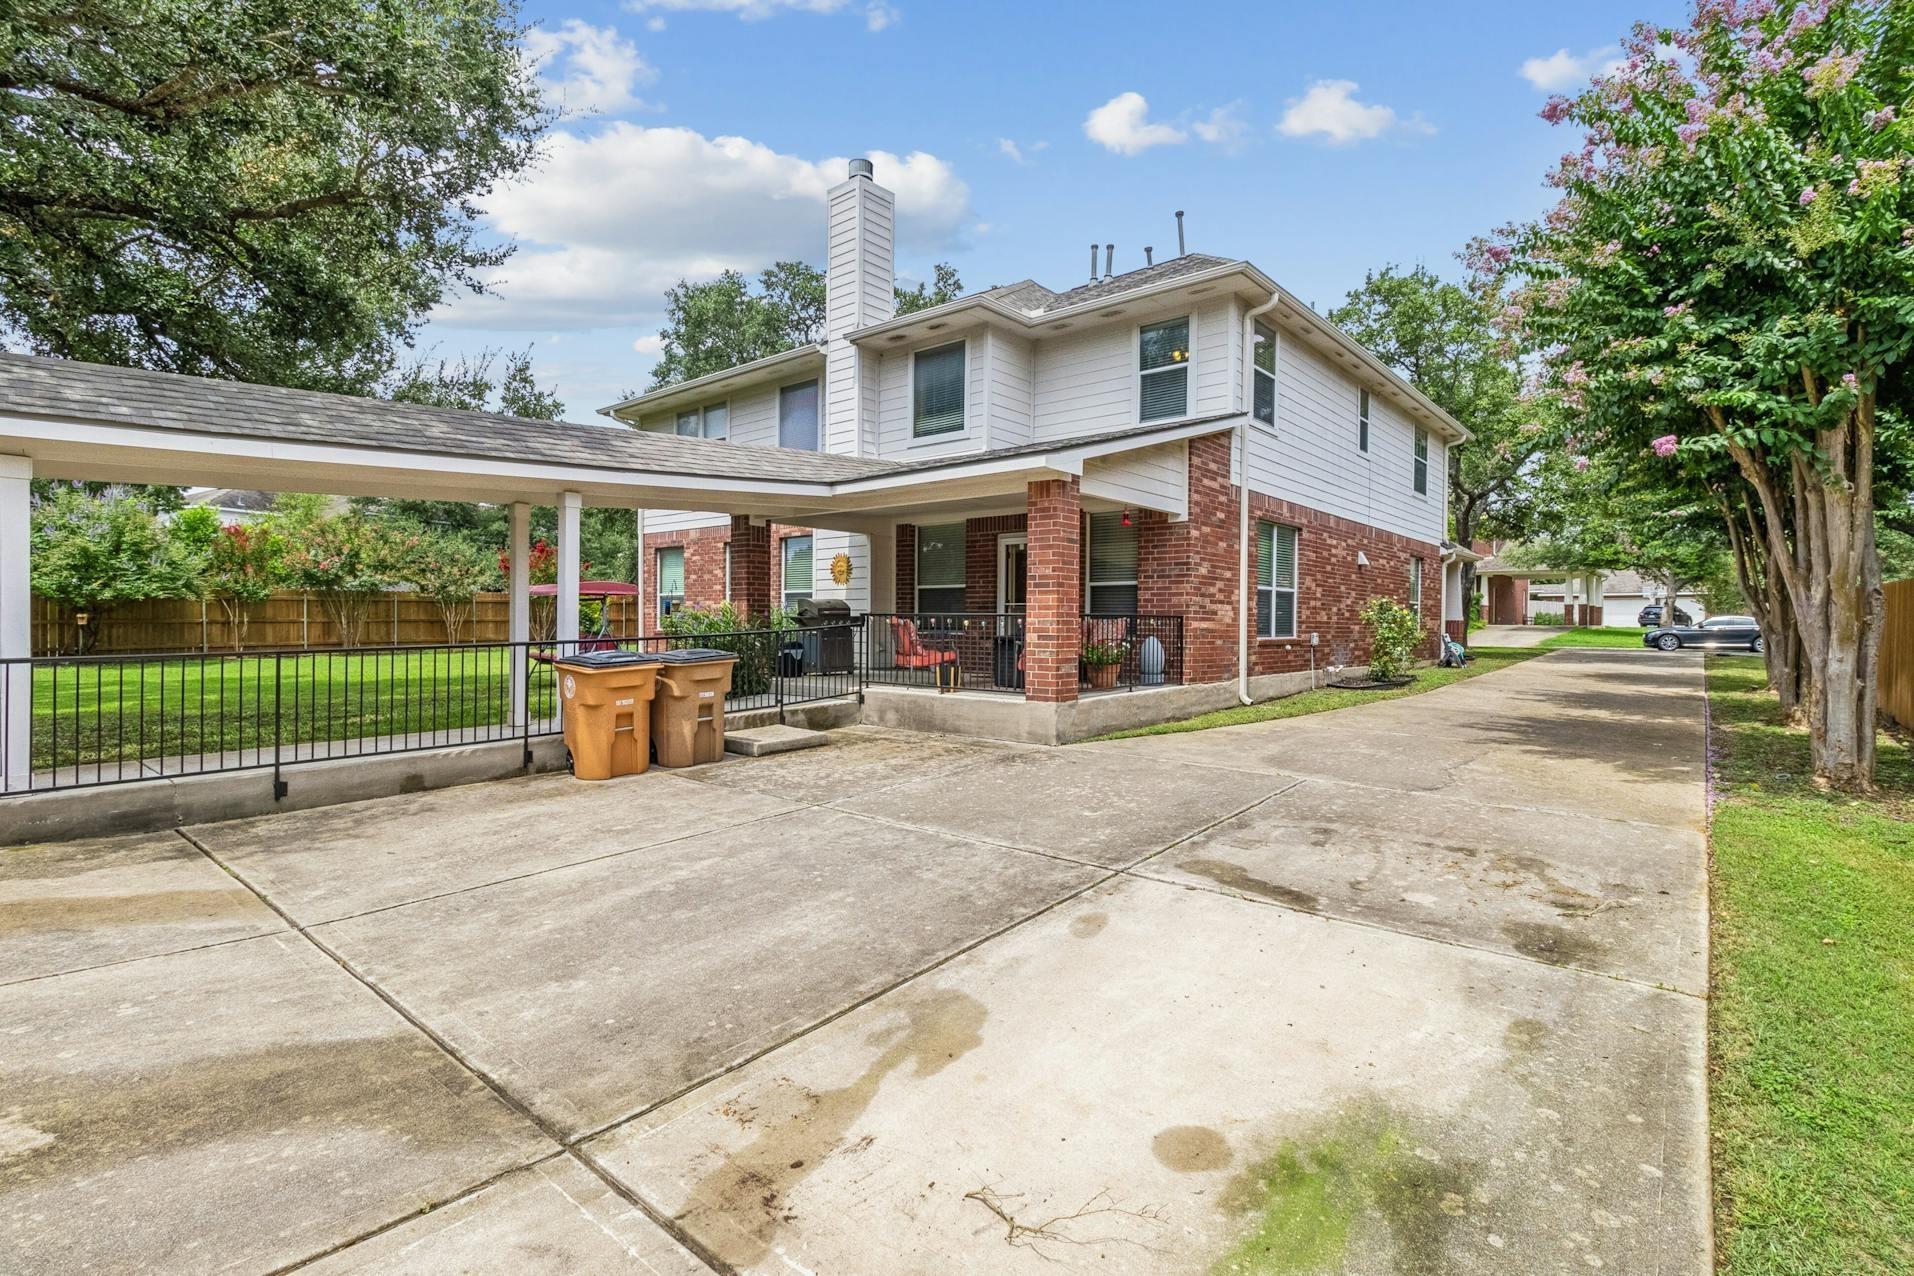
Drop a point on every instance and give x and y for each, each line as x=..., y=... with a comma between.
x=1412, y=987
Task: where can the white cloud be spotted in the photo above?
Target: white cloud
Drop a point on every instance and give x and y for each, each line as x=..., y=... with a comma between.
x=1123, y=125
x=1562, y=69
x=877, y=13
x=613, y=218
x=652, y=344
x=588, y=69
x=1223, y=127
x=655, y=22
x=1020, y=152
x=1330, y=110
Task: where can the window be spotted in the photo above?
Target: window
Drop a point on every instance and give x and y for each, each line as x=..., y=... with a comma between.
x=796, y=579
x=797, y=416
x=713, y=422
x=1112, y=566
x=940, y=568
x=1415, y=587
x=671, y=579
x=938, y=395
x=1422, y=460
x=1264, y=408
x=1275, y=580
x=727, y=571
x=1163, y=370
x=1362, y=420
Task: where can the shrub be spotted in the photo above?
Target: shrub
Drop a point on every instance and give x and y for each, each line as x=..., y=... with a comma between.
x=725, y=628
x=1103, y=653
x=346, y=562
x=1394, y=633
x=1547, y=618
x=450, y=571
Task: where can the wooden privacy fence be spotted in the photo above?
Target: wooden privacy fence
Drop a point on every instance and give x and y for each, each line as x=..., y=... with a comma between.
x=1897, y=653
x=288, y=620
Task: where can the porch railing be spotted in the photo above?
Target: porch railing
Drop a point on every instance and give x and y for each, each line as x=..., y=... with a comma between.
x=984, y=651
x=98, y=720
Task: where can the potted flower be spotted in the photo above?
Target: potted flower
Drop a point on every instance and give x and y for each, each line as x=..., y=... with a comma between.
x=1102, y=660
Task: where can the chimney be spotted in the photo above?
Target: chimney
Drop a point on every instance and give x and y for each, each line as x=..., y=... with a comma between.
x=1093, y=263
x=1109, y=256
x=1180, y=250
x=860, y=289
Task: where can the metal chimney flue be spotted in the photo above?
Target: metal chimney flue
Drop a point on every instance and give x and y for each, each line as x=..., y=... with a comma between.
x=1180, y=250
x=1109, y=259
x=863, y=168
x=1148, y=258
x=1093, y=263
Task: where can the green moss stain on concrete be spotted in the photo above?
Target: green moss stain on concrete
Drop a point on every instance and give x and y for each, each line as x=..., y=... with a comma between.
x=1356, y=1182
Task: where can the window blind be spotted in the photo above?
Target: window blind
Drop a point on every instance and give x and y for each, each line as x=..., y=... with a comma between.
x=1163, y=370
x=939, y=393
x=797, y=569
x=671, y=573
x=940, y=568
x=1113, y=565
x=797, y=416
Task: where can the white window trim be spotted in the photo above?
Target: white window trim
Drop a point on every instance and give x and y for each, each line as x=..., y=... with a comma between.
x=1137, y=372
x=1004, y=542
x=1415, y=586
x=1295, y=589
x=704, y=423
x=1365, y=421
x=657, y=565
x=1275, y=366
x=1090, y=584
x=727, y=571
x=917, y=571
x=778, y=425
x=1419, y=461
x=784, y=563
x=962, y=431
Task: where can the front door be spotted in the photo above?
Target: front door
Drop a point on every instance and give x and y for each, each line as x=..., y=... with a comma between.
x=1013, y=574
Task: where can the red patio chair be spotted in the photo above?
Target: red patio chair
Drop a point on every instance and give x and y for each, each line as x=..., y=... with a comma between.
x=908, y=652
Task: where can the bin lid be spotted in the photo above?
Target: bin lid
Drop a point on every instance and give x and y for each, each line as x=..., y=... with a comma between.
x=609, y=658
x=694, y=656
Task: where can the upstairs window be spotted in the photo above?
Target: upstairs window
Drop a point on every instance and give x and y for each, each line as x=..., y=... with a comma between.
x=713, y=422
x=671, y=579
x=1362, y=420
x=1264, y=407
x=1113, y=559
x=1163, y=371
x=1275, y=581
x=940, y=568
x=795, y=584
x=938, y=394
x=1422, y=460
x=797, y=416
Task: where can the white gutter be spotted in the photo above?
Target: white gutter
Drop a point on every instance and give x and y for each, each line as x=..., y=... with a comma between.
x=1243, y=604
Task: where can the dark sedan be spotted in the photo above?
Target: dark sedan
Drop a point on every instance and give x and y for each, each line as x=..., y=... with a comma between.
x=1716, y=631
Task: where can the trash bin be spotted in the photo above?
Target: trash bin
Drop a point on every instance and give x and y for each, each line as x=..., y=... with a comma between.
x=831, y=649
x=607, y=711
x=687, y=722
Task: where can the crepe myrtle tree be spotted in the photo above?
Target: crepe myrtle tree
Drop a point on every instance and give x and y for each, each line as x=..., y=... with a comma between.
x=1727, y=285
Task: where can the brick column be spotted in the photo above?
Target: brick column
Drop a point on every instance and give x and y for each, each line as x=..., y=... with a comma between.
x=1189, y=568
x=906, y=594
x=750, y=566
x=1053, y=626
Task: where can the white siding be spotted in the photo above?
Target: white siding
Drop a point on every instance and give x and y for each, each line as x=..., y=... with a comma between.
x=1009, y=401
x=1155, y=478
x=826, y=546
x=896, y=400
x=1312, y=458
x=1086, y=383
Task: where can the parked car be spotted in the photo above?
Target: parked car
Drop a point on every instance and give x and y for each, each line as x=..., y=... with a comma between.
x=1650, y=617
x=1716, y=631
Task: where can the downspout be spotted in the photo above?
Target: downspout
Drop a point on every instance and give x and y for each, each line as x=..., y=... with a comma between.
x=1243, y=605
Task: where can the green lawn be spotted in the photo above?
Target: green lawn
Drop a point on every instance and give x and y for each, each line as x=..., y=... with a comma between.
x=1482, y=660
x=1811, y=1046
x=87, y=713
x=1591, y=637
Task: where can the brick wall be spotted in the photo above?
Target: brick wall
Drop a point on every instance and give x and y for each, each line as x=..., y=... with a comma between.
x=704, y=566
x=980, y=558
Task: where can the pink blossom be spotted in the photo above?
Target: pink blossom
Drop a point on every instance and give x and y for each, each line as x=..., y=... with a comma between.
x=1807, y=196
x=1851, y=381
x=1670, y=312
x=1665, y=445
x=1581, y=464
x=1881, y=118
x=1555, y=110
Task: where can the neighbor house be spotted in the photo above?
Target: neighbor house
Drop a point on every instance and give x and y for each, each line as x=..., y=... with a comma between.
x=1044, y=456
x=1510, y=590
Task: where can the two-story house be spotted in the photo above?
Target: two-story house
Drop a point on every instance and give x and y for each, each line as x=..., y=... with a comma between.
x=1213, y=475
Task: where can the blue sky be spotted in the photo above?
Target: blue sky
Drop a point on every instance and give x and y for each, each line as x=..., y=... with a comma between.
x=1319, y=141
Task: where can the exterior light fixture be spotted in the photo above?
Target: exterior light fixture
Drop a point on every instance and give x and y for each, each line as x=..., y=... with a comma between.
x=1126, y=518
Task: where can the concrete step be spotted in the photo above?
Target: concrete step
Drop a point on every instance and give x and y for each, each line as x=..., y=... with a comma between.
x=756, y=742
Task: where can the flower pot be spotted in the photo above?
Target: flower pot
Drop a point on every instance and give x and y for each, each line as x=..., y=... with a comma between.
x=1103, y=677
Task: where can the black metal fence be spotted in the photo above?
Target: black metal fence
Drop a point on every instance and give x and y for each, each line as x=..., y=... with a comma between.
x=984, y=651
x=111, y=719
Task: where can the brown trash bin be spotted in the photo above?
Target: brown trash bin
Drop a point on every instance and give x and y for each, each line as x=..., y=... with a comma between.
x=687, y=723
x=607, y=711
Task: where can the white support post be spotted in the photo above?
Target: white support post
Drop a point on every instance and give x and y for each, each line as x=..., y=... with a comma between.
x=16, y=620
x=569, y=506
x=518, y=625
x=641, y=621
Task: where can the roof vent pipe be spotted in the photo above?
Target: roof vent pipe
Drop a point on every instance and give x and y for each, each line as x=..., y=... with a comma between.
x=863, y=168
x=1093, y=263
x=1109, y=256
x=1180, y=250
x=1148, y=260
